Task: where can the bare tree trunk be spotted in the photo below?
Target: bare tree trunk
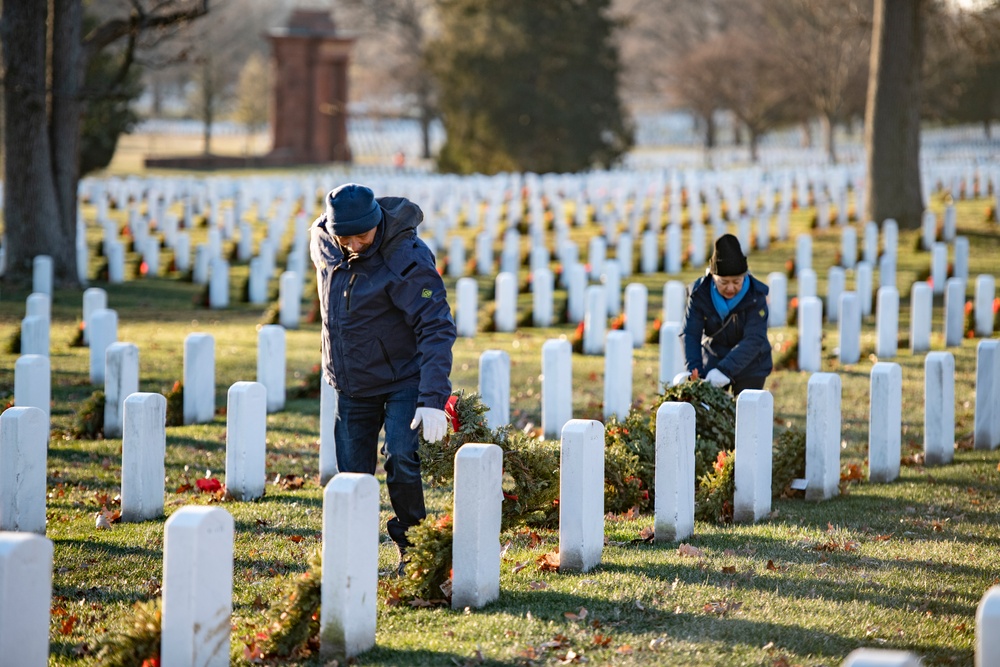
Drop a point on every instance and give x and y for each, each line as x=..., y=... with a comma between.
x=829, y=143
x=892, y=114
x=31, y=213
x=710, y=130
x=64, y=124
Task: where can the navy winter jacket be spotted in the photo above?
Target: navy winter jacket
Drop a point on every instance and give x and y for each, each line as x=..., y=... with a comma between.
x=386, y=321
x=738, y=346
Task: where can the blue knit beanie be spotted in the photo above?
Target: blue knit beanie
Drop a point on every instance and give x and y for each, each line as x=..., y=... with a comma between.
x=351, y=210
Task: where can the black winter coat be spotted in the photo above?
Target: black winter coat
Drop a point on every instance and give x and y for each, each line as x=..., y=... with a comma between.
x=386, y=321
x=738, y=347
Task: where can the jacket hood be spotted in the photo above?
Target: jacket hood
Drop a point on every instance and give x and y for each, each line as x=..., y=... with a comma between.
x=400, y=219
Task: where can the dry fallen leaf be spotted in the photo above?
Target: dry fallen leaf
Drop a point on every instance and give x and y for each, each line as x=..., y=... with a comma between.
x=548, y=562
x=537, y=585
x=688, y=550
x=578, y=616
x=658, y=643
x=624, y=649
x=519, y=566
x=729, y=569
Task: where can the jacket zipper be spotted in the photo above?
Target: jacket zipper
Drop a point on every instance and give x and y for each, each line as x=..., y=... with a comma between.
x=349, y=290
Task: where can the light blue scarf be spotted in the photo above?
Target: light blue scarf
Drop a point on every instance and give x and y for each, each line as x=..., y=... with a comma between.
x=724, y=306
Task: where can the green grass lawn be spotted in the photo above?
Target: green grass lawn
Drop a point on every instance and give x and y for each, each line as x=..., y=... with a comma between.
x=901, y=565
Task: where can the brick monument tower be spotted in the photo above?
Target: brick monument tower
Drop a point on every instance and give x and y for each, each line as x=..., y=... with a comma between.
x=309, y=94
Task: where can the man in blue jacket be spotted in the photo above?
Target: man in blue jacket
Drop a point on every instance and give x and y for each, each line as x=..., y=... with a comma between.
x=725, y=327
x=387, y=338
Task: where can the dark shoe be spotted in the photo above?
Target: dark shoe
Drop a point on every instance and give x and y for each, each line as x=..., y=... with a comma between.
x=401, y=568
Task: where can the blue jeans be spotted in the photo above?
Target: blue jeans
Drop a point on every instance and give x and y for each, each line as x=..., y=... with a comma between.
x=359, y=421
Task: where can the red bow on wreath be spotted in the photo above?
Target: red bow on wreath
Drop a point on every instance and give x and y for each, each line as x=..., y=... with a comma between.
x=452, y=413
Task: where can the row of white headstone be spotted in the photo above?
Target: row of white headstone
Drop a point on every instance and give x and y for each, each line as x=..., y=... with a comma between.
x=198, y=543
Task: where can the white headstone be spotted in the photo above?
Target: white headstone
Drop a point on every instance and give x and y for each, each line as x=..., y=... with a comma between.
x=35, y=335
x=456, y=257
x=673, y=500
x=987, y=422
x=33, y=384
x=271, y=364
x=596, y=254
x=202, y=262
x=672, y=359
x=595, y=320
x=777, y=299
x=928, y=230
x=949, y=227
x=576, y=288
x=611, y=277
x=24, y=440
x=954, y=312
x=803, y=254
x=985, y=293
x=94, y=299
x=836, y=280
x=649, y=254
x=887, y=323
x=987, y=627
x=327, y=426
x=823, y=436
x=199, y=378
x=870, y=252
x=581, y=495
x=848, y=247
x=505, y=291
x=674, y=250
x=879, y=657
x=349, y=591
x=962, y=258
x=246, y=434
x=197, y=587
x=885, y=421
x=542, y=286
x=116, y=263
x=863, y=287
x=557, y=386
x=939, y=266
x=618, y=375
x=939, y=408
x=807, y=284
x=636, y=298
x=850, y=328
x=921, y=305
x=754, y=437
x=257, y=282
x=674, y=301
x=484, y=254
x=104, y=332
x=25, y=599
x=41, y=274
x=218, y=284
x=810, y=321
x=121, y=380
x=477, y=512
x=289, y=300
x=182, y=252
x=144, y=446
x=887, y=271
x=467, y=310
x=494, y=386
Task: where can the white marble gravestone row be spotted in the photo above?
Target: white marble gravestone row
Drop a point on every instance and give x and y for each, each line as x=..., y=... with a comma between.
x=887, y=323
x=289, y=300
x=823, y=436
x=271, y=366
x=505, y=291
x=121, y=379
x=810, y=325
x=24, y=439
x=673, y=501
x=33, y=384
x=25, y=598
x=595, y=320
x=494, y=386
x=477, y=514
x=849, y=326
x=939, y=408
x=144, y=444
x=885, y=421
x=199, y=378
x=954, y=312
x=246, y=440
x=987, y=417
x=104, y=332
x=542, y=288
x=754, y=436
x=618, y=375
x=581, y=495
x=197, y=587
x=557, y=386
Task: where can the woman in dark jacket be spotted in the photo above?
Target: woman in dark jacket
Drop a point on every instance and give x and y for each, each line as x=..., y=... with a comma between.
x=725, y=328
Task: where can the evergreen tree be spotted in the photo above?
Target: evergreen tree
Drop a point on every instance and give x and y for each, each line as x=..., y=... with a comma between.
x=528, y=86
